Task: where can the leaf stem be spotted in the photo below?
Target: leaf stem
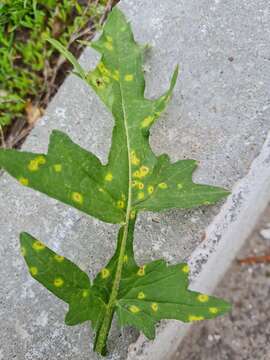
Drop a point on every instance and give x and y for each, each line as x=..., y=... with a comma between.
x=100, y=344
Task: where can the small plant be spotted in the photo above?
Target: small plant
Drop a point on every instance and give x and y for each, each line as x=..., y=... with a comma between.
x=28, y=63
x=133, y=180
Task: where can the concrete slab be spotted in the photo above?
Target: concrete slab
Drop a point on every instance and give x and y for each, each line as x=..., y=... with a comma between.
x=244, y=334
x=218, y=115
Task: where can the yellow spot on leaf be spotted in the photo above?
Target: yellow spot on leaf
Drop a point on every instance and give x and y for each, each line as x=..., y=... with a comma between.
x=57, y=167
x=105, y=273
x=85, y=293
x=140, y=185
x=102, y=68
x=33, y=270
x=147, y=121
x=77, y=197
x=23, y=251
x=180, y=186
x=41, y=160
x=33, y=165
x=144, y=170
x=120, y=204
x=141, y=195
x=203, y=298
x=154, y=307
x=136, y=174
x=141, y=295
x=100, y=84
x=116, y=75
x=150, y=189
x=24, y=181
x=134, y=159
x=58, y=282
x=213, y=310
x=109, y=38
x=185, y=269
x=163, y=186
x=141, y=271
x=59, y=258
x=38, y=246
x=129, y=77
x=134, y=309
x=125, y=258
x=109, y=176
x=195, y=318
x=207, y=203
x=109, y=46
x=132, y=214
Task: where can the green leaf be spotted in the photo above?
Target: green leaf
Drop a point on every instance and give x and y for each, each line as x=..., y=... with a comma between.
x=118, y=79
x=157, y=291
x=64, y=279
x=133, y=180
x=146, y=294
x=67, y=173
x=71, y=58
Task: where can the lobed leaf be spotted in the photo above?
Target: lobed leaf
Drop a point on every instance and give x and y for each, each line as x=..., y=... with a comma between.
x=67, y=173
x=64, y=279
x=133, y=180
x=76, y=177
x=147, y=294
x=157, y=291
x=119, y=82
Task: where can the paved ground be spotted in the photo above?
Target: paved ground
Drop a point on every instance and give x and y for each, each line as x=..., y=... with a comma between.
x=245, y=333
x=219, y=115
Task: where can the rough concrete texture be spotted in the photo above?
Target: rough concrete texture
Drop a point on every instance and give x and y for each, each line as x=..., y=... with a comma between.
x=222, y=240
x=245, y=334
x=218, y=115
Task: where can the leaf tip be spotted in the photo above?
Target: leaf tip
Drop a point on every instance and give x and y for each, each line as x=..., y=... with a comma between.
x=24, y=236
x=225, y=192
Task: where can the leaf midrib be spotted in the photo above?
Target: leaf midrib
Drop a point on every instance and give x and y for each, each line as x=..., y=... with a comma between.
x=117, y=279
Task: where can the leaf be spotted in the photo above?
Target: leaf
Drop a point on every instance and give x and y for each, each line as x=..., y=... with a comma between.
x=146, y=295
x=154, y=291
x=119, y=81
x=158, y=291
x=67, y=173
x=133, y=180
x=136, y=178
x=71, y=58
x=33, y=113
x=64, y=279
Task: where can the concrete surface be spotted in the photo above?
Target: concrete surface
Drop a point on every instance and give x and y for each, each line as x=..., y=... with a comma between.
x=222, y=240
x=218, y=115
x=245, y=334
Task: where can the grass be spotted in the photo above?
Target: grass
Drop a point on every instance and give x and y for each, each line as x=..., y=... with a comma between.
x=30, y=68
